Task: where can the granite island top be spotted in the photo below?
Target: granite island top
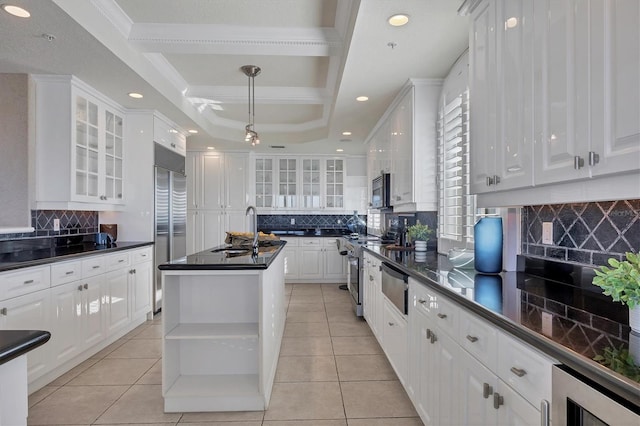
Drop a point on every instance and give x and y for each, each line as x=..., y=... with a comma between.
x=14, y=343
x=584, y=321
x=16, y=254
x=226, y=257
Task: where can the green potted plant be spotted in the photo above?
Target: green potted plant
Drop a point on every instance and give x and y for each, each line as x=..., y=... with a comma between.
x=621, y=281
x=621, y=361
x=419, y=235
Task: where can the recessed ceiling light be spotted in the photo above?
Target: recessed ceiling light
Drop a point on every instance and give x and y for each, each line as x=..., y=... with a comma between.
x=362, y=98
x=211, y=147
x=512, y=22
x=339, y=150
x=16, y=11
x=398, y=20
x=193, y=131
x=135, y=95
x=346, y=133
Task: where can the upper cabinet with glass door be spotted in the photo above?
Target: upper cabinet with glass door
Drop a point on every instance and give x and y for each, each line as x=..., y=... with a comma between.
x=78, y=158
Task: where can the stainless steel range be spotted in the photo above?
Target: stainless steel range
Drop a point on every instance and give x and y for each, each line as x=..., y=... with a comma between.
x=353, y=247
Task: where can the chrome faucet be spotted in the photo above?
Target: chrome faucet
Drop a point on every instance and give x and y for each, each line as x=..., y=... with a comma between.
x=255, y=228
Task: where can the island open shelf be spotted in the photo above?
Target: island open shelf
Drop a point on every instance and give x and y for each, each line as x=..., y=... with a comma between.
x=222, y=332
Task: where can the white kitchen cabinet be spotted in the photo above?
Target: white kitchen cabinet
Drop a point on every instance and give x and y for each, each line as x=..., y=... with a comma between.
x=78, y=140
x=92, y=315
x=323, y=183
x=116, y=299
x=168, y=135
x=290, y=254
x=311, y=258
x=140, y=285
x=394, y=338
x=314, y=260
x=287, y=195
x=30, y=312
x=335, y=267
x=372, y=303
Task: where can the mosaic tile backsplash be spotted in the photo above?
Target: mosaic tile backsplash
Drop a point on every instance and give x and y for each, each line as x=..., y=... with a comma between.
x=584, y=233
x=302, y=221
x=71, y=222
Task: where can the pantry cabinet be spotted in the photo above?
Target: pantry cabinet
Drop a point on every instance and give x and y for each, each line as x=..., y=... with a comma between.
x=554, y=97
x=79, y=146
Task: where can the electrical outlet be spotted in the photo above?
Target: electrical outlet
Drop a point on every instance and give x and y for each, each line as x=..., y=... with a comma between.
x=547, y=232
x=56, y=224
x=293, y=221
x=547, y=324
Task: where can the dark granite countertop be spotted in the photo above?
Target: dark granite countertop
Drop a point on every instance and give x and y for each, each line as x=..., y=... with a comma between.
x=584, y=321
x=27, y=254
x=14, y=343
x=227, y=257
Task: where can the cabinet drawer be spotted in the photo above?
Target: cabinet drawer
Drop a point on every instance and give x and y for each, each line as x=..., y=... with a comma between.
x=525, y=369
x=311, y=242
x=13, y=284
x=423, y=299
x=291, y=242
x=116, y=261
x=446, y=316
x=93, y=266
x=142, y=255
x=330, y=242
x=62, y=273
x=479, y=338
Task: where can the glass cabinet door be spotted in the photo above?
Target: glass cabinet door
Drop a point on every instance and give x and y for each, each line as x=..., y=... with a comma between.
x=264, y=183
x=334, y=185
x=311, y=183
x=113, y=156
x=287, y=188
x=86, y=147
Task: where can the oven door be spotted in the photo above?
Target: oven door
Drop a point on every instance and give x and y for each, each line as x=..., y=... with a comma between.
x=353, y=283
x=577, y=403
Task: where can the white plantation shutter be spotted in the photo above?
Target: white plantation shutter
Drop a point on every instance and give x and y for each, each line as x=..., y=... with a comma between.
x=456, y=209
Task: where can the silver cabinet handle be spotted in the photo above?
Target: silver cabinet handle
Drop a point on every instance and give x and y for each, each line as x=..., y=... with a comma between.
x=131, y=271
x=144, y=255
x=86, y=286
x=391, y=324
x=428, y=334
x=496, y=179
x=134, y=271
x=544, y=413
x=498, y=400
x=3, y=311
x=173, y=145
x=80, y=287
x=370, y=277
x=422, y=301
x=593, y=158
x=472, y=339
x=518, y=371
x=489, y=181
x=121, y=260
x=28, y=282
x=69, y=272
x=96, y=266
x=442, y=316
x=578, y=162
x=487, y=390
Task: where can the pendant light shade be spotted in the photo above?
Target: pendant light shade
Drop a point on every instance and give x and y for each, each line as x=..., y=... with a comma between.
x=251, y=71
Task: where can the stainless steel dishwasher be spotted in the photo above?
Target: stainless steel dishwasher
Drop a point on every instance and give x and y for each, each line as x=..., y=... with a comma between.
x=395, y=285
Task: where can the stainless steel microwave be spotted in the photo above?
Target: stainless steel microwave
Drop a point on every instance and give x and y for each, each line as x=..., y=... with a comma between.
x=381, y=191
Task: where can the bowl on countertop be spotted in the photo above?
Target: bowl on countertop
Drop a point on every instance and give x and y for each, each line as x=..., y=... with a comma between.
x=461, y=258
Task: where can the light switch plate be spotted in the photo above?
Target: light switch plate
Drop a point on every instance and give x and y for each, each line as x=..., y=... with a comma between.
x=547, y=324
x=56, y=224
x=547, y=232
x=293, y=221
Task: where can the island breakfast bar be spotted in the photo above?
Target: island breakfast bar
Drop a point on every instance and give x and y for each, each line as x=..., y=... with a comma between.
x=223, y=320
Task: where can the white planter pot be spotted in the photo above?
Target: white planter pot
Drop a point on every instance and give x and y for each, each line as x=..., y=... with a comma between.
x=634, y=319
x=420, y=245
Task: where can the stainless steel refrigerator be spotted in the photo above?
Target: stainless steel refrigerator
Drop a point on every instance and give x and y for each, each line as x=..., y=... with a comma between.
x=170, y=213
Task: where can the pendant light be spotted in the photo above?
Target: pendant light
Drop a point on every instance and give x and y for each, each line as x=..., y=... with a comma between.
x=251, y=71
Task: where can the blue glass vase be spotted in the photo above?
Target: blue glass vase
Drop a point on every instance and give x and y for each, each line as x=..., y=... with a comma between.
x=487, y=236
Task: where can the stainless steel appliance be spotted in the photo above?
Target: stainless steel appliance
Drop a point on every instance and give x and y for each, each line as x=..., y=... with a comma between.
x=170, y=213
x=381, y=191
x=395, y=285
x=353, y=253
x=577, y=401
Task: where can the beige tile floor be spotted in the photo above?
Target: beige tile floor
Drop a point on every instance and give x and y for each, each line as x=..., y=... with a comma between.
x=331, y=372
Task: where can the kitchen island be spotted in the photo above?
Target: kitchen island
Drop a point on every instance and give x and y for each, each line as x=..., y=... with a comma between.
x=223, y=321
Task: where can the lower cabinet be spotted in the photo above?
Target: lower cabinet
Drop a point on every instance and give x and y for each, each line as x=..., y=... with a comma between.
x=314, y=260
x=372, y=298
x=83, y=315
x=394, y=338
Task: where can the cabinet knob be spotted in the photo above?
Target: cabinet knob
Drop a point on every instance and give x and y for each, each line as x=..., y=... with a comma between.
x=496, y=179
x=173, y=145
x=96, y=266
x=593, y=158
x=578, y=162
x=422, y=301
x=69, y=273
x=472, y=339
x=86, y=286
x=80, y=287
x=489, y=181
x=28, y=282
x=487, y=390
x=518, y=371
x=391, y=324
x=498, y=400
x=442, y=316
x=3, y=311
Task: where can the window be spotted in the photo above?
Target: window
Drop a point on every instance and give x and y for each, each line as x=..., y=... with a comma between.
x=457, y=207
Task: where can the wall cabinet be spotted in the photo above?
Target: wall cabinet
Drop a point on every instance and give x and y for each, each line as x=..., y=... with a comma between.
x=554, y=94
x=79, y=146
x=85, y=304
x=217, y=197
x=404, y=144
x=168, y=135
